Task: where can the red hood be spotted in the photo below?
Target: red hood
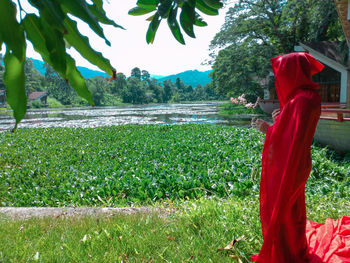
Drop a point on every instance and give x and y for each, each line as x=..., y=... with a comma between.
x=292, y=72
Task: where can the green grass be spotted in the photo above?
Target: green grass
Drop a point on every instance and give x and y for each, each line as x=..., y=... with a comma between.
x=194, y=233
x=123, y=165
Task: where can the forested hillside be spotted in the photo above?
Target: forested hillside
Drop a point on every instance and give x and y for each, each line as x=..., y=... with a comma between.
x=139, y=88
x=191, y=77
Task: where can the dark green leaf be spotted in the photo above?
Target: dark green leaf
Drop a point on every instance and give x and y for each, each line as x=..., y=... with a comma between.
x=152, y=29
x=11, y=32
x=80, y=9
x=138, y=11
x=164, y=8
x=51, y=12
x=82, y=45
x=203, y=7
x=14, y=82
x=187, y=19
x=99, y=5
x=216, y=4
x=199, y=21
x=174, y=26
x=147, y=3
x=77, y=81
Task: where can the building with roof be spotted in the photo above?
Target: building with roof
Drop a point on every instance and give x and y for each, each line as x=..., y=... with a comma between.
x=38, y=96
x=333, y=79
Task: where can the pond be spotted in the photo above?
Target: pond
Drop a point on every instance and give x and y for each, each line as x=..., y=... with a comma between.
x=84, y=117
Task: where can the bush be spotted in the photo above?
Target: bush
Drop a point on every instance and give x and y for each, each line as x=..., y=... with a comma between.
x=36, y=104
x=53, y=103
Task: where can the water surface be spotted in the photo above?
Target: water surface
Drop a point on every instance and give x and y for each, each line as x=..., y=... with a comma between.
x=84, y=117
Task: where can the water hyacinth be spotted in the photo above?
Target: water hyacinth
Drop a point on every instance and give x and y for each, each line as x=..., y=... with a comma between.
x=139, y=164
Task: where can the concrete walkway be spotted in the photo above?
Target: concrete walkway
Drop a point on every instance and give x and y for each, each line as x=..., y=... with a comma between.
x=29, y=212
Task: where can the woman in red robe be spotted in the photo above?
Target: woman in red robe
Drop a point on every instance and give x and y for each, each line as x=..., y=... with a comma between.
x=286, y=164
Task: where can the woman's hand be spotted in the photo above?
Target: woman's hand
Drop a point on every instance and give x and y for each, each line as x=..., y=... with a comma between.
x=260, y=125
x=275, y=113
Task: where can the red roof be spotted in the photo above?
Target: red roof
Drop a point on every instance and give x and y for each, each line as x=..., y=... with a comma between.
x=36, y=95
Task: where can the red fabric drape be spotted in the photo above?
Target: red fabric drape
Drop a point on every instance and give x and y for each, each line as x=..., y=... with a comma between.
x=286, y=164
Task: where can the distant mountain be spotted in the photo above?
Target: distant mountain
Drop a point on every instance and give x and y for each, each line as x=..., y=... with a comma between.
x=39, y=66
x=190, y=77
x=156, y=76
x=86, y=72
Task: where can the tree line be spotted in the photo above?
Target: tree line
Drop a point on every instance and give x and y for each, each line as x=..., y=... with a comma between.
x=139, y=88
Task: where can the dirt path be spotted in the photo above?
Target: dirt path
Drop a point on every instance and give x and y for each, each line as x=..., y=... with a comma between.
x=29, y=212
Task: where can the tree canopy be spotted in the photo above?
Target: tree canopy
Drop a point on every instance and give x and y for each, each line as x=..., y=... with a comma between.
x=256, y=30
x=53, y=30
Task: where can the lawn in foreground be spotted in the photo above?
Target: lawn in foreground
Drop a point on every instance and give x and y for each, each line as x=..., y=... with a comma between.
x=193, y=234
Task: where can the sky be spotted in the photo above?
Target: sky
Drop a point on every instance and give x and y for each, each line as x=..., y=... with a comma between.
x=129, y=48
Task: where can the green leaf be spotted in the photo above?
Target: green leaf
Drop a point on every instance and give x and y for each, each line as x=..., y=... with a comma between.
x=56, y=48
x=152, y=29
x=187, y=18
x=80, y=9
x=199, y=21
x=14, y=82
x=203, y=7
x=102, y=17
x=147, y=3
x=139, y=11
x=46, y=41
x=174, y=26
x=99, y=5
x=34, y=31
x=10, y=31
x=82, y=45
x=216, y=4
x=164, y=8
x=51, y=12
x=77, y=81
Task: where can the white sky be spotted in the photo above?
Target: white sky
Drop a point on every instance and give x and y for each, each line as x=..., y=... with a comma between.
x=129, y=48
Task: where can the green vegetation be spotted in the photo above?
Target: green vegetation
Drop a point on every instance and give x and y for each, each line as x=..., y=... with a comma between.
x=193, y=234
x=53, y=103
x=232, y=109
x=126, y=165
x=257, y=30
x=139, y=88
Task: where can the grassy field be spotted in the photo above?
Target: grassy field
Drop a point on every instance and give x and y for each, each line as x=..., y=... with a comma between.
x=193, y=234
x=210, y=174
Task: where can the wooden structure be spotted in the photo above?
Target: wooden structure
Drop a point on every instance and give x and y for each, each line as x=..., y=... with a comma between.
x=333, y=79
x=343, y=9
x=38, y=95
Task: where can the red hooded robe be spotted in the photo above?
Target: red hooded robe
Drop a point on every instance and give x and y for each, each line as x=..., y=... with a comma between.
x=286, y=164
